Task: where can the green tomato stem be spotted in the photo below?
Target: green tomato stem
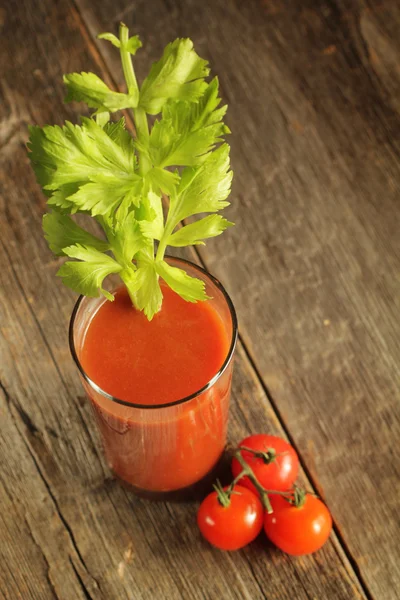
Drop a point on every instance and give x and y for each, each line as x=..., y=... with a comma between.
x=224, y=497
x=299, y=497
x=296, y=496
x=268, y=457
x=238, y=478
x=247, y=470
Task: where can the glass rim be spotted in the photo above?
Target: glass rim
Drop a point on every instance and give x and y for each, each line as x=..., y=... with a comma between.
x=206, y=387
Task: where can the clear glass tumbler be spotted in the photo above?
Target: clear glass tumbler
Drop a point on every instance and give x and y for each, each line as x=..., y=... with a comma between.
x=163, y=447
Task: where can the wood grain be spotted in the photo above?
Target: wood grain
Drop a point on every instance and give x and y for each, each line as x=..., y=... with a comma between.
x=103, y=542
x=116, y=544
x=313, y=263
x=71, y=531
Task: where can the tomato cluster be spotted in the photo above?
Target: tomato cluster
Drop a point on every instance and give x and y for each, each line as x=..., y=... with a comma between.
x=264, y=494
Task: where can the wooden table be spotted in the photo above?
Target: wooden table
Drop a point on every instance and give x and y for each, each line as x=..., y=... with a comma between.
x=312, y=266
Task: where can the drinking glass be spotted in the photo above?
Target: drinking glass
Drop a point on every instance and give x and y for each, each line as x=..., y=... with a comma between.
x=170, y=446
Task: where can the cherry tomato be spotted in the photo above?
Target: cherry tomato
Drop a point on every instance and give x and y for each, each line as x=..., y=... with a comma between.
x=234, y=526
x=277, y=473
x=298, y=530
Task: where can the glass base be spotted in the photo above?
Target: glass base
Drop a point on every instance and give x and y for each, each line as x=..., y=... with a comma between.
x=192, y=493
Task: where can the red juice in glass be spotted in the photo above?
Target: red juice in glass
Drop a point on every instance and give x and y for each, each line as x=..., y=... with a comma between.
x=160, y=389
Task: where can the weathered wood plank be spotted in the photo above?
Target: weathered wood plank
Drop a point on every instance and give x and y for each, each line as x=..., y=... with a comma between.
x=111, y=544
x=313, y=264
x=124, y=546
x=37, y=556
x=112, y=535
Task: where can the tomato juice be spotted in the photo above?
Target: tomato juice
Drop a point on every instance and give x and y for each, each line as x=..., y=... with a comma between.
x=160, y=389
x=143, y=361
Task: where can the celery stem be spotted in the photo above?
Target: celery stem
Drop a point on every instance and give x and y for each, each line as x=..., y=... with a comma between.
x=139, y=115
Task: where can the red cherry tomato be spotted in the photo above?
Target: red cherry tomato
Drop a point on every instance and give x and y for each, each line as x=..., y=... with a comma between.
x=298, y=530
x=234, y=526
x=278, y=474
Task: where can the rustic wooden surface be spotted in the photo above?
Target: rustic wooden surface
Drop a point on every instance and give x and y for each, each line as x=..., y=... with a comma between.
x=313, y=268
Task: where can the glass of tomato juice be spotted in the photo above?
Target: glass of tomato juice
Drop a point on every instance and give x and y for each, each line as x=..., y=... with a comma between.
x=159, y=389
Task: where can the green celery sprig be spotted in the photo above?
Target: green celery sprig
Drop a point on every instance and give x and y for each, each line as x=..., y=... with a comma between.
x=98, y=168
